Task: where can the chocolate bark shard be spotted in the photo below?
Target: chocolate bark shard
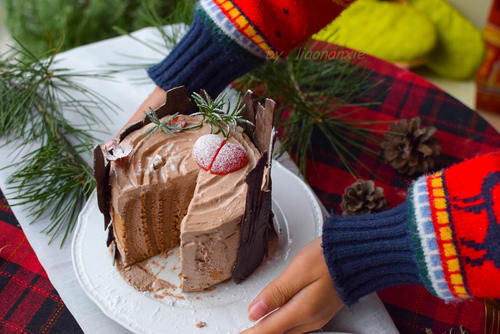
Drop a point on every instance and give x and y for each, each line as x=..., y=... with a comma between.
x=101, y=175
x=131, y=128
x=257, y=225
x=111, y=236
x=262, y=116
x=264, y=121
x=248, y=112
x=177, y=100
x=255, y=228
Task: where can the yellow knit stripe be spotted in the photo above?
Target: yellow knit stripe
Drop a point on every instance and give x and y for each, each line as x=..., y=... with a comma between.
x=245, y=27
x=441, y=220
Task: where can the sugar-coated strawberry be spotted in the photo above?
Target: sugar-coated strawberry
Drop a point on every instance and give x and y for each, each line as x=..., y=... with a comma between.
x=230, y=158
x=205, y=149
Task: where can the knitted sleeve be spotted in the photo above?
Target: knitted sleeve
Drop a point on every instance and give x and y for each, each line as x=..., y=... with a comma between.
x=446, y=236
x=228, y=38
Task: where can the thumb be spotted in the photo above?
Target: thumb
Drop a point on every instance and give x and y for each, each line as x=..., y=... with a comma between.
x=277, y=293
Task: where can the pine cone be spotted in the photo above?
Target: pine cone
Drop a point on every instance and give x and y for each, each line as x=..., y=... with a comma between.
x=362, y=197
x=409, y=148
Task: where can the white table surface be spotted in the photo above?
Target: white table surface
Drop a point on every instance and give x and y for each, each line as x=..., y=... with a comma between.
x=369, y=316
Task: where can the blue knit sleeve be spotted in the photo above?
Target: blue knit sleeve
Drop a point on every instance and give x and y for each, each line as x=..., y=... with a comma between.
x=206, y=58
x=369, y=253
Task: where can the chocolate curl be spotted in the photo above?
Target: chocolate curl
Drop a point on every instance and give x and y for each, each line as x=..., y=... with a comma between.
x=101, y=175
x=177, y=100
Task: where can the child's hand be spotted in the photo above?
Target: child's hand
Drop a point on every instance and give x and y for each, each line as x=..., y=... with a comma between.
x=304, y=294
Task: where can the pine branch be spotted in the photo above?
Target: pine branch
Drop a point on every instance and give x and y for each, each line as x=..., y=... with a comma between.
x=52, y=177
x=313, y=94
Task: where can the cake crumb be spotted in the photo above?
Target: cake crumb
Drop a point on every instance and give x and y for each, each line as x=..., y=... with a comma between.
x=201, y=324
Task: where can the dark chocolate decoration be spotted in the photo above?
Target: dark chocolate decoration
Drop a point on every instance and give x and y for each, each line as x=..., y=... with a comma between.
x=131, y=128
x=101, y=175
x=249, y=112
x=177, y=100
x=264, y=120
x=256, y=226
x=111, y=236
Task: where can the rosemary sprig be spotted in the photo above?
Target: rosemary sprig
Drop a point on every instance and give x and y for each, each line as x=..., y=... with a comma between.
x=214, y=113
x=167, y=125
x=37, y=99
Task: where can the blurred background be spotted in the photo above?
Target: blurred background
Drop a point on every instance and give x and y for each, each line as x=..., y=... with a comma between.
x=447, y=46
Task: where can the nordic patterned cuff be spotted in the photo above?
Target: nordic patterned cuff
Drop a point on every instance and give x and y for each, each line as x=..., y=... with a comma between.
x=426, y=197
x=368, y=253
x=455, y=224
x=206, y=58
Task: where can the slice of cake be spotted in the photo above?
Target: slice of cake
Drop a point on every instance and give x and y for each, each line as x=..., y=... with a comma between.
x=177, y=184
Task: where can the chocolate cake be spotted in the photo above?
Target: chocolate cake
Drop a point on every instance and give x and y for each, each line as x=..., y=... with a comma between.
x=156, y=194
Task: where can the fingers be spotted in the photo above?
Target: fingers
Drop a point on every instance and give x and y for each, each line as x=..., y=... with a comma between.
x=308, y=310
x=303, y=297
x=286, y=317
x=279, y=291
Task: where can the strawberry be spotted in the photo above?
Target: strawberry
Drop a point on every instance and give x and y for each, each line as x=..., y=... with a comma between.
x=205, y=149
x=230, y=158
x=214, y=154
x=177, y=122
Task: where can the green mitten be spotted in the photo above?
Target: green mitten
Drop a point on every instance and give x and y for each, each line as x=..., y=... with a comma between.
x=391, y=31
x=460, y=47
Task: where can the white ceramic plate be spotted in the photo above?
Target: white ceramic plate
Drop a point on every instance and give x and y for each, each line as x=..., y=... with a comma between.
x=224, y=310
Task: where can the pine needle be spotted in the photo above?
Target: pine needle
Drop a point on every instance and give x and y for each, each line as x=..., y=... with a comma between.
x=313, y=93
x=52, y=178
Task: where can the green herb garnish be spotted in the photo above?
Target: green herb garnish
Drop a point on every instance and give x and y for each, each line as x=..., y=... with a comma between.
x=214, y=114
x=167, y=125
